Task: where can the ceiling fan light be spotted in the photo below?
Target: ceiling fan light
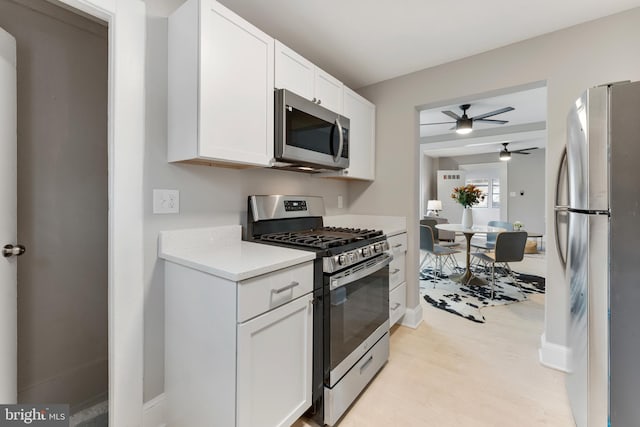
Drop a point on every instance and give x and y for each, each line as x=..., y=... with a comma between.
x=463, y=126
x=505, y=155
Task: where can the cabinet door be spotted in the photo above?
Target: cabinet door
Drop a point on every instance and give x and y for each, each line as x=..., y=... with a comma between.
x=362, y=143
x=236, y=89
x=293, y=72
x=274, y=365
x=328, y=91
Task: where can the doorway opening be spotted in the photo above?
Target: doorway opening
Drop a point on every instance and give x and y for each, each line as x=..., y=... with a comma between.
x=62, y=66
x=513, y=186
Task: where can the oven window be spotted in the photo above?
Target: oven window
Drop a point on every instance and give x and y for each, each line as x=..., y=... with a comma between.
x=311, y=133
x=356, y=311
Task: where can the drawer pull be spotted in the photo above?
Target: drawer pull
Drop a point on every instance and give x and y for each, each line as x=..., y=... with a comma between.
x=397, y=245
x=365, y=364
x=395, y=271
x=285, y=288
x=395, y=306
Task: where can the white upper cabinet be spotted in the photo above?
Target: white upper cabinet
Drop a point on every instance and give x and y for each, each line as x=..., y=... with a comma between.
x=295, y=73
x=362, y=135
x=220, y=87
x=362, y=139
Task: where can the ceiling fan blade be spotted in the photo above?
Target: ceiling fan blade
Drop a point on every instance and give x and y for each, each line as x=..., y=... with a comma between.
x=525, y=150
x=498, y=122
x=437, y=123
x=493, y=113
x=451, y=114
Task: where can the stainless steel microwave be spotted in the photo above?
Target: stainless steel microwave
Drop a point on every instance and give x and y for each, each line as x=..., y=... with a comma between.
x=308, y=136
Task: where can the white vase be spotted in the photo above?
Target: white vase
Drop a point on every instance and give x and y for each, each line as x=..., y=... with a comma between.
x=467, y=217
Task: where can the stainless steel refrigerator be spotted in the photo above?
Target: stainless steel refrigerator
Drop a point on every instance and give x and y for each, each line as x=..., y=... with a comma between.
x=603, y=256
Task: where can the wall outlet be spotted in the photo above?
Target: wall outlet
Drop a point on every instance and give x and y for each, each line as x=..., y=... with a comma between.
x=166, y=201
x=340, y=202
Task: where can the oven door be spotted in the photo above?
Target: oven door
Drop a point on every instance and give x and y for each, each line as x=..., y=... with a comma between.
x=357, y=313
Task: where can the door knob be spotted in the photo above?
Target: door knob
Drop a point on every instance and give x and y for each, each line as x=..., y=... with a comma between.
x=11, y=250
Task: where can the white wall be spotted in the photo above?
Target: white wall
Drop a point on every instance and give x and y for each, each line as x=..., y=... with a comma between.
x=569, y=60
x=208, y=196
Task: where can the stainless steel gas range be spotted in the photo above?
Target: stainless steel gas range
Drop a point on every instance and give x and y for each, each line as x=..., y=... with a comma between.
x=351, y=295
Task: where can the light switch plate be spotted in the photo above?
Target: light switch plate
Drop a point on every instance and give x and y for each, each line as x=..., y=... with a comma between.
x=166, y=201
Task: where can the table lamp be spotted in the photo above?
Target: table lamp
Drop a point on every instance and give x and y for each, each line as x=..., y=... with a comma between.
x=433, y=206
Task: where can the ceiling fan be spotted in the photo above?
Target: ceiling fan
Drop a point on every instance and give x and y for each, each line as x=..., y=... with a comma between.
x=505, y=154
x=464, y=123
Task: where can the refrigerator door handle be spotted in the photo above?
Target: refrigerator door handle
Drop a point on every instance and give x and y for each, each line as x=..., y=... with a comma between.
x=560, y=209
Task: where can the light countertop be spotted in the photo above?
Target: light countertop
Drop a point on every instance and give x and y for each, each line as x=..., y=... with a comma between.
x=390, y=225
x=221, y=252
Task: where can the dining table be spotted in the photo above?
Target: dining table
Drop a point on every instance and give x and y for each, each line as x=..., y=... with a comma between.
x=467, y=277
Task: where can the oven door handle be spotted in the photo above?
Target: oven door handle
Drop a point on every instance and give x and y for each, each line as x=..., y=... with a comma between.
x=356, y=273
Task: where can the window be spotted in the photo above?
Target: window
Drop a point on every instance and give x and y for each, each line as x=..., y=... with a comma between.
x=490, y=188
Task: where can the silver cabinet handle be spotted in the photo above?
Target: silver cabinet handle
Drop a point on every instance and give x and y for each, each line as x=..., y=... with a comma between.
x=397, y=245
x=395, y=306
x=285, y=288
x=11, y=250
x=395, y=270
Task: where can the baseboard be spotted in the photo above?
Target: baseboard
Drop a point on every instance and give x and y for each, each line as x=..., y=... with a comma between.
x=553, y=355
x=412, y=317
x=153, y=412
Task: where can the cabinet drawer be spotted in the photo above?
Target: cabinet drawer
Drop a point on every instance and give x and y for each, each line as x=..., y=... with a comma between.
x=396, y=270
x=263, y=293
x=398, y=243
x=397, y=303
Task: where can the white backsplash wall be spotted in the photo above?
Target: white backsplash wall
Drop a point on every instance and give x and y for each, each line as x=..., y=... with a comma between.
x=208, y=196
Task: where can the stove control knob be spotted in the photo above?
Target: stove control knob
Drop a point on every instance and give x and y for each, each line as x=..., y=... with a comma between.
x=365, y=252
x=377, y=248
x=351, y=257
x=341, y=260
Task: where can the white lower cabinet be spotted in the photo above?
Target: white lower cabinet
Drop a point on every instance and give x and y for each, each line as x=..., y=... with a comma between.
x=274, y=353
x=397, y=303
x=238, y=353
x=397, y=283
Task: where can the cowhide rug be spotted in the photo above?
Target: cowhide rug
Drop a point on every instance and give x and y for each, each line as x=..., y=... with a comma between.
x=466, y=301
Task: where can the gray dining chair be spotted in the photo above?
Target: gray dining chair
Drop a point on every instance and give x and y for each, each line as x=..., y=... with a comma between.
x=490, y=241
x=509, y=247
x=437, y=233
x=439, y=255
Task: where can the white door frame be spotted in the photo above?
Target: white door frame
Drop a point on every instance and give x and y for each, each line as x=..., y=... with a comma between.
x=126, y=129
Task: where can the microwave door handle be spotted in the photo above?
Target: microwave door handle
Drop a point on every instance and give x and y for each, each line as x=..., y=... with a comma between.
x=338, y=154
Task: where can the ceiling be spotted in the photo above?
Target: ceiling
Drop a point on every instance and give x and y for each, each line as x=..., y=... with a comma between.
x=363, y=42
x=526, y=125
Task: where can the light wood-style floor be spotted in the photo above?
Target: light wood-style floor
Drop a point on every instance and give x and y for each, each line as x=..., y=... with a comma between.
x=453, y=372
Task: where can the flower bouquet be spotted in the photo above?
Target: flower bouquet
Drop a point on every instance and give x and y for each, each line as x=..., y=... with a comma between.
x=467, y=195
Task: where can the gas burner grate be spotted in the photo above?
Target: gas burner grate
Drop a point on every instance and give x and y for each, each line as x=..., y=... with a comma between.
x=324, y=238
